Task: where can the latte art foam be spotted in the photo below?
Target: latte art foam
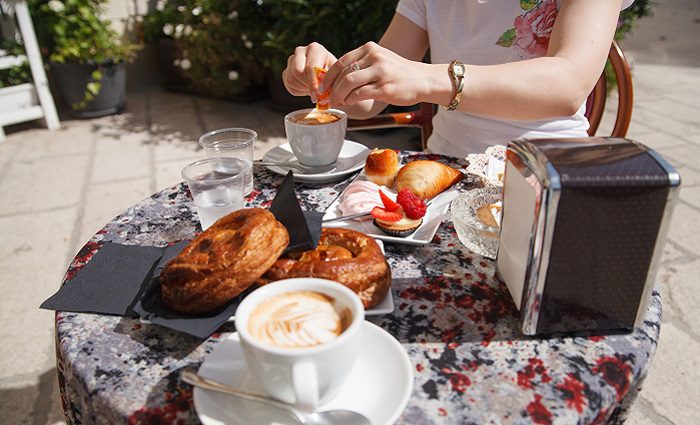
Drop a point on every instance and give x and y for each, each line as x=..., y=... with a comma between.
x=297, y=319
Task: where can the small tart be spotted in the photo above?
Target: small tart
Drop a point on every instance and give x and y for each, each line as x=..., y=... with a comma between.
x=402, y=228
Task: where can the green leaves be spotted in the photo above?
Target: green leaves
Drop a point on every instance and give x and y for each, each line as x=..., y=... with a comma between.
x=507, y=38
x=528, y=4
x=77, y=33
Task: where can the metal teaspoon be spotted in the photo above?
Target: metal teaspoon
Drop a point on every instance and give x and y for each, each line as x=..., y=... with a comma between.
x=328, y=417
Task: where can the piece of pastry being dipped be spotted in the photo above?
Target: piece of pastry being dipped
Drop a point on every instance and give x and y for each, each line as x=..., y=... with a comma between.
x=381, y=166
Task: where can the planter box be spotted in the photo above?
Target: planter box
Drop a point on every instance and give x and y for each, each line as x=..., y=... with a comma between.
x=17, y=97
x=19, y=103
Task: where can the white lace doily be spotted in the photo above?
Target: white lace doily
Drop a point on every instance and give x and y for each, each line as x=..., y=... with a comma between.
x=487, y=165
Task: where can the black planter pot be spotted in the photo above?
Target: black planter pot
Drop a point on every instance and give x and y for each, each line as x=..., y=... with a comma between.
x=72, y=80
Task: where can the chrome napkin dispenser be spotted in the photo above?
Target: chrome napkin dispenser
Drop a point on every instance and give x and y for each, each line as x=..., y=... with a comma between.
x=583, y=229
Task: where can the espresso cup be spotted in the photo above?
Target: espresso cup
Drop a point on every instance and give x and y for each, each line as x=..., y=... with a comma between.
x=316, y=137
x=304, y=365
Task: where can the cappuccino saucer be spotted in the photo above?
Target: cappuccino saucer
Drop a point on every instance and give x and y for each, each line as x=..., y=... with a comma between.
x=351, y=159
x=379, y=385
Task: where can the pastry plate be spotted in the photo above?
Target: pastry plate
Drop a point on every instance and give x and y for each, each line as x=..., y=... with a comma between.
x=379, y=385
x=351, y=159
x=435, y=214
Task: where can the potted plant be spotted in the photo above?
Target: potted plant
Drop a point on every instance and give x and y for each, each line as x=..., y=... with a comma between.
x=210, y=47
x=86, y=56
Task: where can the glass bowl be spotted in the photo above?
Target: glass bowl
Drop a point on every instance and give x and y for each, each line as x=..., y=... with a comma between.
x=474, y=234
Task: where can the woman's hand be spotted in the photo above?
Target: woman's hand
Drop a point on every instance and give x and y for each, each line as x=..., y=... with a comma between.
x=298, y=77
x=374, y=72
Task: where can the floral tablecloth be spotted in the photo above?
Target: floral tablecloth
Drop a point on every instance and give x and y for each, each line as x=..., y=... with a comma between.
x=455, y=319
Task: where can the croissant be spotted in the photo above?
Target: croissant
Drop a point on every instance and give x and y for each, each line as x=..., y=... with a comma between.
x=426, y=178
x=223, y=261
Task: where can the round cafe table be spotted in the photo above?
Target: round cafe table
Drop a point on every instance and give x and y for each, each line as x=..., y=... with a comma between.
x=453, y=317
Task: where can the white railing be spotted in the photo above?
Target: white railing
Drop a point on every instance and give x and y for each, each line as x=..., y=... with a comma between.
x=33, y=100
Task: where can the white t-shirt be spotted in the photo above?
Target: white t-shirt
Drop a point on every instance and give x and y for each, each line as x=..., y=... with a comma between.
x=488, y=32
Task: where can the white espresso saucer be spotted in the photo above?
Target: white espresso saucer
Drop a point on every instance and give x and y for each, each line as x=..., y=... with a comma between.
x=351, y=158
x=379, y=385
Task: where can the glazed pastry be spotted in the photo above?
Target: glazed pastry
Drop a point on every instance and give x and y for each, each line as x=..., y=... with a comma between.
x=343, y=255
x=427, y=178
x=223, y=261
x=381, y=166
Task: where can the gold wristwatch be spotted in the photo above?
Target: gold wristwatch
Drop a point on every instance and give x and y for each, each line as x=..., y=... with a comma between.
x=457, y=71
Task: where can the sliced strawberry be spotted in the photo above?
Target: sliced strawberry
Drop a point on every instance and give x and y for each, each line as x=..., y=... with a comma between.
x=413, y=206
x=382, y=214
x=388, y=203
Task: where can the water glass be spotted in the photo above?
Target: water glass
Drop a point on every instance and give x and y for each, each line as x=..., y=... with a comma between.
x=216, y=185
x=232, y=143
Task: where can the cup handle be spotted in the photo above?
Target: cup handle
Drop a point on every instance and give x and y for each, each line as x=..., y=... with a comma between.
x=305, y=384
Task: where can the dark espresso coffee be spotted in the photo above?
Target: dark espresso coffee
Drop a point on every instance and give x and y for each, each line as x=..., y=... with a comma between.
x=314, y=118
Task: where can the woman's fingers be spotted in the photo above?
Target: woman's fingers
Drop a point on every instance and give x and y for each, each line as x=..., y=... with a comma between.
x=298, y=76
x=293, y=84
x=351, y=80
x=345, y=62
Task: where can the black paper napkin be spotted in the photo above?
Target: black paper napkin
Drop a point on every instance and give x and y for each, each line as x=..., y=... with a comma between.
x=110, y=283
x=124, y=279
x=304, y=227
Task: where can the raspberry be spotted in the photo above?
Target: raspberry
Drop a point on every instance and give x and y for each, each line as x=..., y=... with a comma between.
x=386, y=216
x=413, y=206
x=388, y=203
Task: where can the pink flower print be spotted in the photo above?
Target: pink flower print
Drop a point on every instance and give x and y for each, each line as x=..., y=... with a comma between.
x=532, y=30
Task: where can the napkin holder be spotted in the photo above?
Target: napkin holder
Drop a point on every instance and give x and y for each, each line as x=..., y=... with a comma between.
x=583, y=229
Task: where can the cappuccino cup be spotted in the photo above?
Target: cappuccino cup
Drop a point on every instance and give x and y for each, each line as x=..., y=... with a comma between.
x=316, y=137
x=300, y=338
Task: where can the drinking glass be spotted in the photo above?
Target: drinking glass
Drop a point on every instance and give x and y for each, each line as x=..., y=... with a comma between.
x=232, y=143
x=216, y=185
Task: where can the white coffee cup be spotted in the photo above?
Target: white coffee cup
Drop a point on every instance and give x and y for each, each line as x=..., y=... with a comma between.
x=302, y=376
x=315, y=144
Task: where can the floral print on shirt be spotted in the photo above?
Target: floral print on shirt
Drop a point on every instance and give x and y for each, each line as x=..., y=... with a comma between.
x=531, y=30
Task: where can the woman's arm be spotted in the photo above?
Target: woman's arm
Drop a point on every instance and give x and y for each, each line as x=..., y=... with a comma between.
x=540, y=88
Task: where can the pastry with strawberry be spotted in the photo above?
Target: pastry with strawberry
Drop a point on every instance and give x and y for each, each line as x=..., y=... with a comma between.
x=401, y=217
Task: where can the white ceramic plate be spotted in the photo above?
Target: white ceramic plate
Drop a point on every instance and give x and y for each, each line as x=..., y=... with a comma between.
x=379, y=385
x=431, y=221
x=352, y=158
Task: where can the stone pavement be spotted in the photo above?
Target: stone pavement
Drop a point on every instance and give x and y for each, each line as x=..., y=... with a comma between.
x=58, y=188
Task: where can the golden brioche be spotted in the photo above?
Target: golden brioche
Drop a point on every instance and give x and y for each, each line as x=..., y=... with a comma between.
x=223, y=261
x=381, y=166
